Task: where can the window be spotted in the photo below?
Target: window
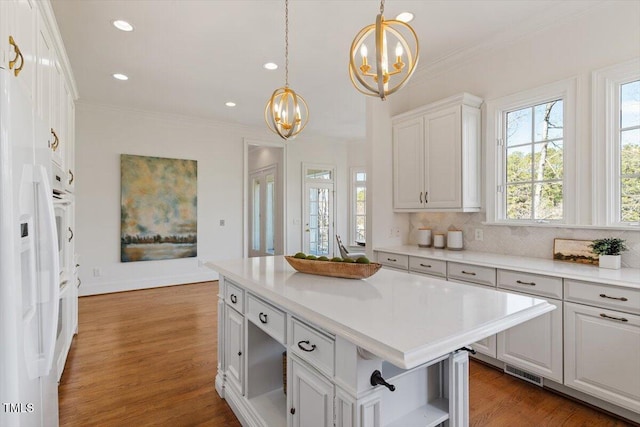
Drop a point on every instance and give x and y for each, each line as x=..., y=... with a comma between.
x=616, y=145
x=531, y=149
x=628, y=153
x=358, y=206
x=534, y=162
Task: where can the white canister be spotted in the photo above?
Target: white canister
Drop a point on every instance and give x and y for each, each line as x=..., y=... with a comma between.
x=424, y=237
x=454, y=240
x=438, y=241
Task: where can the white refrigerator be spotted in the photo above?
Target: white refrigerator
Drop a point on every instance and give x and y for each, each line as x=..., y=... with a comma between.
x=29, y=268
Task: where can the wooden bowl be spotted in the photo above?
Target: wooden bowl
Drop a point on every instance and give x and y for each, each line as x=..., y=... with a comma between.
x=334, y=269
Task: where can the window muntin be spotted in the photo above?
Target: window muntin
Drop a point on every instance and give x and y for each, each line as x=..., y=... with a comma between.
x=628, y=148
x=534, y=162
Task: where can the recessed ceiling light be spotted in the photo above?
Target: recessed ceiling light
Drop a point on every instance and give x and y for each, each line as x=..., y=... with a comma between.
x=230, y=104
x=122, y=25
x=405, y=17
x=120, y=76
x=270, y=66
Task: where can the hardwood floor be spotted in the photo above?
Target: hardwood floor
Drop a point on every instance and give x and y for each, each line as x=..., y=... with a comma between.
x=148, y=358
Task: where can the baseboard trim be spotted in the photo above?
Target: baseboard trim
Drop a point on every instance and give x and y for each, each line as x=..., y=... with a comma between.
x=147, y=283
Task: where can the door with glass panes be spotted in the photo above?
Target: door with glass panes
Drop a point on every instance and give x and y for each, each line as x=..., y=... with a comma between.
x=262, y=212
x=318, y=225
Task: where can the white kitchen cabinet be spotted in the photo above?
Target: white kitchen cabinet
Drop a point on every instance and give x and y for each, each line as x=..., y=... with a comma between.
x=311, y=397
x=535, y=346
x=436, y=157
x=602, y=354
x=18, y=23
x=234, y=348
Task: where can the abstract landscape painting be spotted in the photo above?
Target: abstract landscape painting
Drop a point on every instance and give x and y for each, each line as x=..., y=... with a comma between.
x=574, y=251
x=159, y=200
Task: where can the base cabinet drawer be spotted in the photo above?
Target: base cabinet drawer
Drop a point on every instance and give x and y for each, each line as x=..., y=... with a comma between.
x=471, y=273
x=267, y=317
x=234, y=296
x=536, y=284
x=612, y=297
x=602, y=354
x=536, y=345
x=313, y=346
x=398, y=261
x=433, y=267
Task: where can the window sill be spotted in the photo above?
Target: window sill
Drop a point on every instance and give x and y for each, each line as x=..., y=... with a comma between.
x=559, y=225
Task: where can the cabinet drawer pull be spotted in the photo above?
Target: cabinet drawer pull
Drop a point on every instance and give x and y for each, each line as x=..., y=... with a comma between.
x=56, y=140
x=616, y=298
x=70, y=231
x=470, y=273
x=12, y=63
x=425, y=196
x=392, y=259
x=292, y=411
x=620, y=319
x=233, y=298
x=421, y=197
x=526, y=283
x=262, y=317
x=425, y=265
x=70, y=180
x=301, y=347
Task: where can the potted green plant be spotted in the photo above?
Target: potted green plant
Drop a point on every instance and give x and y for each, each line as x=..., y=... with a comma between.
x=608, y=251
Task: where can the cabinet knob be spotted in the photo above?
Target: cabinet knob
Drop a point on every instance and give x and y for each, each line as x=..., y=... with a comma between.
x=239, y=353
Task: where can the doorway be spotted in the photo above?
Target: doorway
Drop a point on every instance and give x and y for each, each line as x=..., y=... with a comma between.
x=264, y=213
x=319, y=209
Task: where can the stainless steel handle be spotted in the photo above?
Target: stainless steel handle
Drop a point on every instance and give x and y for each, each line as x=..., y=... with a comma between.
x=619, y=319
x=425, y=265
x=470, y=273
x=392, y=259
x=616, y=298
x=526, y=283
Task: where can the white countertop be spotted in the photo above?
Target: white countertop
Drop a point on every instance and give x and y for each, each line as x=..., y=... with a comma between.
x=405, y=319
x=627, y=277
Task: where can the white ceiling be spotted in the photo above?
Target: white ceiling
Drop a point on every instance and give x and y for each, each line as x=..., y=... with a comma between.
x=189, y=57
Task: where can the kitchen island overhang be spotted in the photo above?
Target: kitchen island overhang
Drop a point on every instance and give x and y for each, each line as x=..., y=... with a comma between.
x=302, y=350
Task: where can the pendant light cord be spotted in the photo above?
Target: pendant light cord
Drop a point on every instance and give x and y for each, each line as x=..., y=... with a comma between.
x=286, y=43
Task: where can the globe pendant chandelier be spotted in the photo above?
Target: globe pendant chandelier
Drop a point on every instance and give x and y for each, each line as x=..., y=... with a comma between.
x=381, y=80
x=286, y=112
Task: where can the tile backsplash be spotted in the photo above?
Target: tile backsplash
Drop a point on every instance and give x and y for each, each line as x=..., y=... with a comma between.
x=536, y=242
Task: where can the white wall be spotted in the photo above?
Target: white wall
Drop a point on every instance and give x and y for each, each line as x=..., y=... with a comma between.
x=605, y=35
x=103, y=133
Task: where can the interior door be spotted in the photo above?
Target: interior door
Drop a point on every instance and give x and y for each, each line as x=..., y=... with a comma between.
x=262, y=212
x=318, y=232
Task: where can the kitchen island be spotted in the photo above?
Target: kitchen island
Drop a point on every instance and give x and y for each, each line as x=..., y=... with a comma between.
x=338, y=346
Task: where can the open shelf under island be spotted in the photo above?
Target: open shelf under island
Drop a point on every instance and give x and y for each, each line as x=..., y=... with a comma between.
x=321, y=339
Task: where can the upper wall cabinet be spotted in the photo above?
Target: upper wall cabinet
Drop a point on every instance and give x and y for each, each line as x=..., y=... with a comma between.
x=17, y=32
x=436, y=157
